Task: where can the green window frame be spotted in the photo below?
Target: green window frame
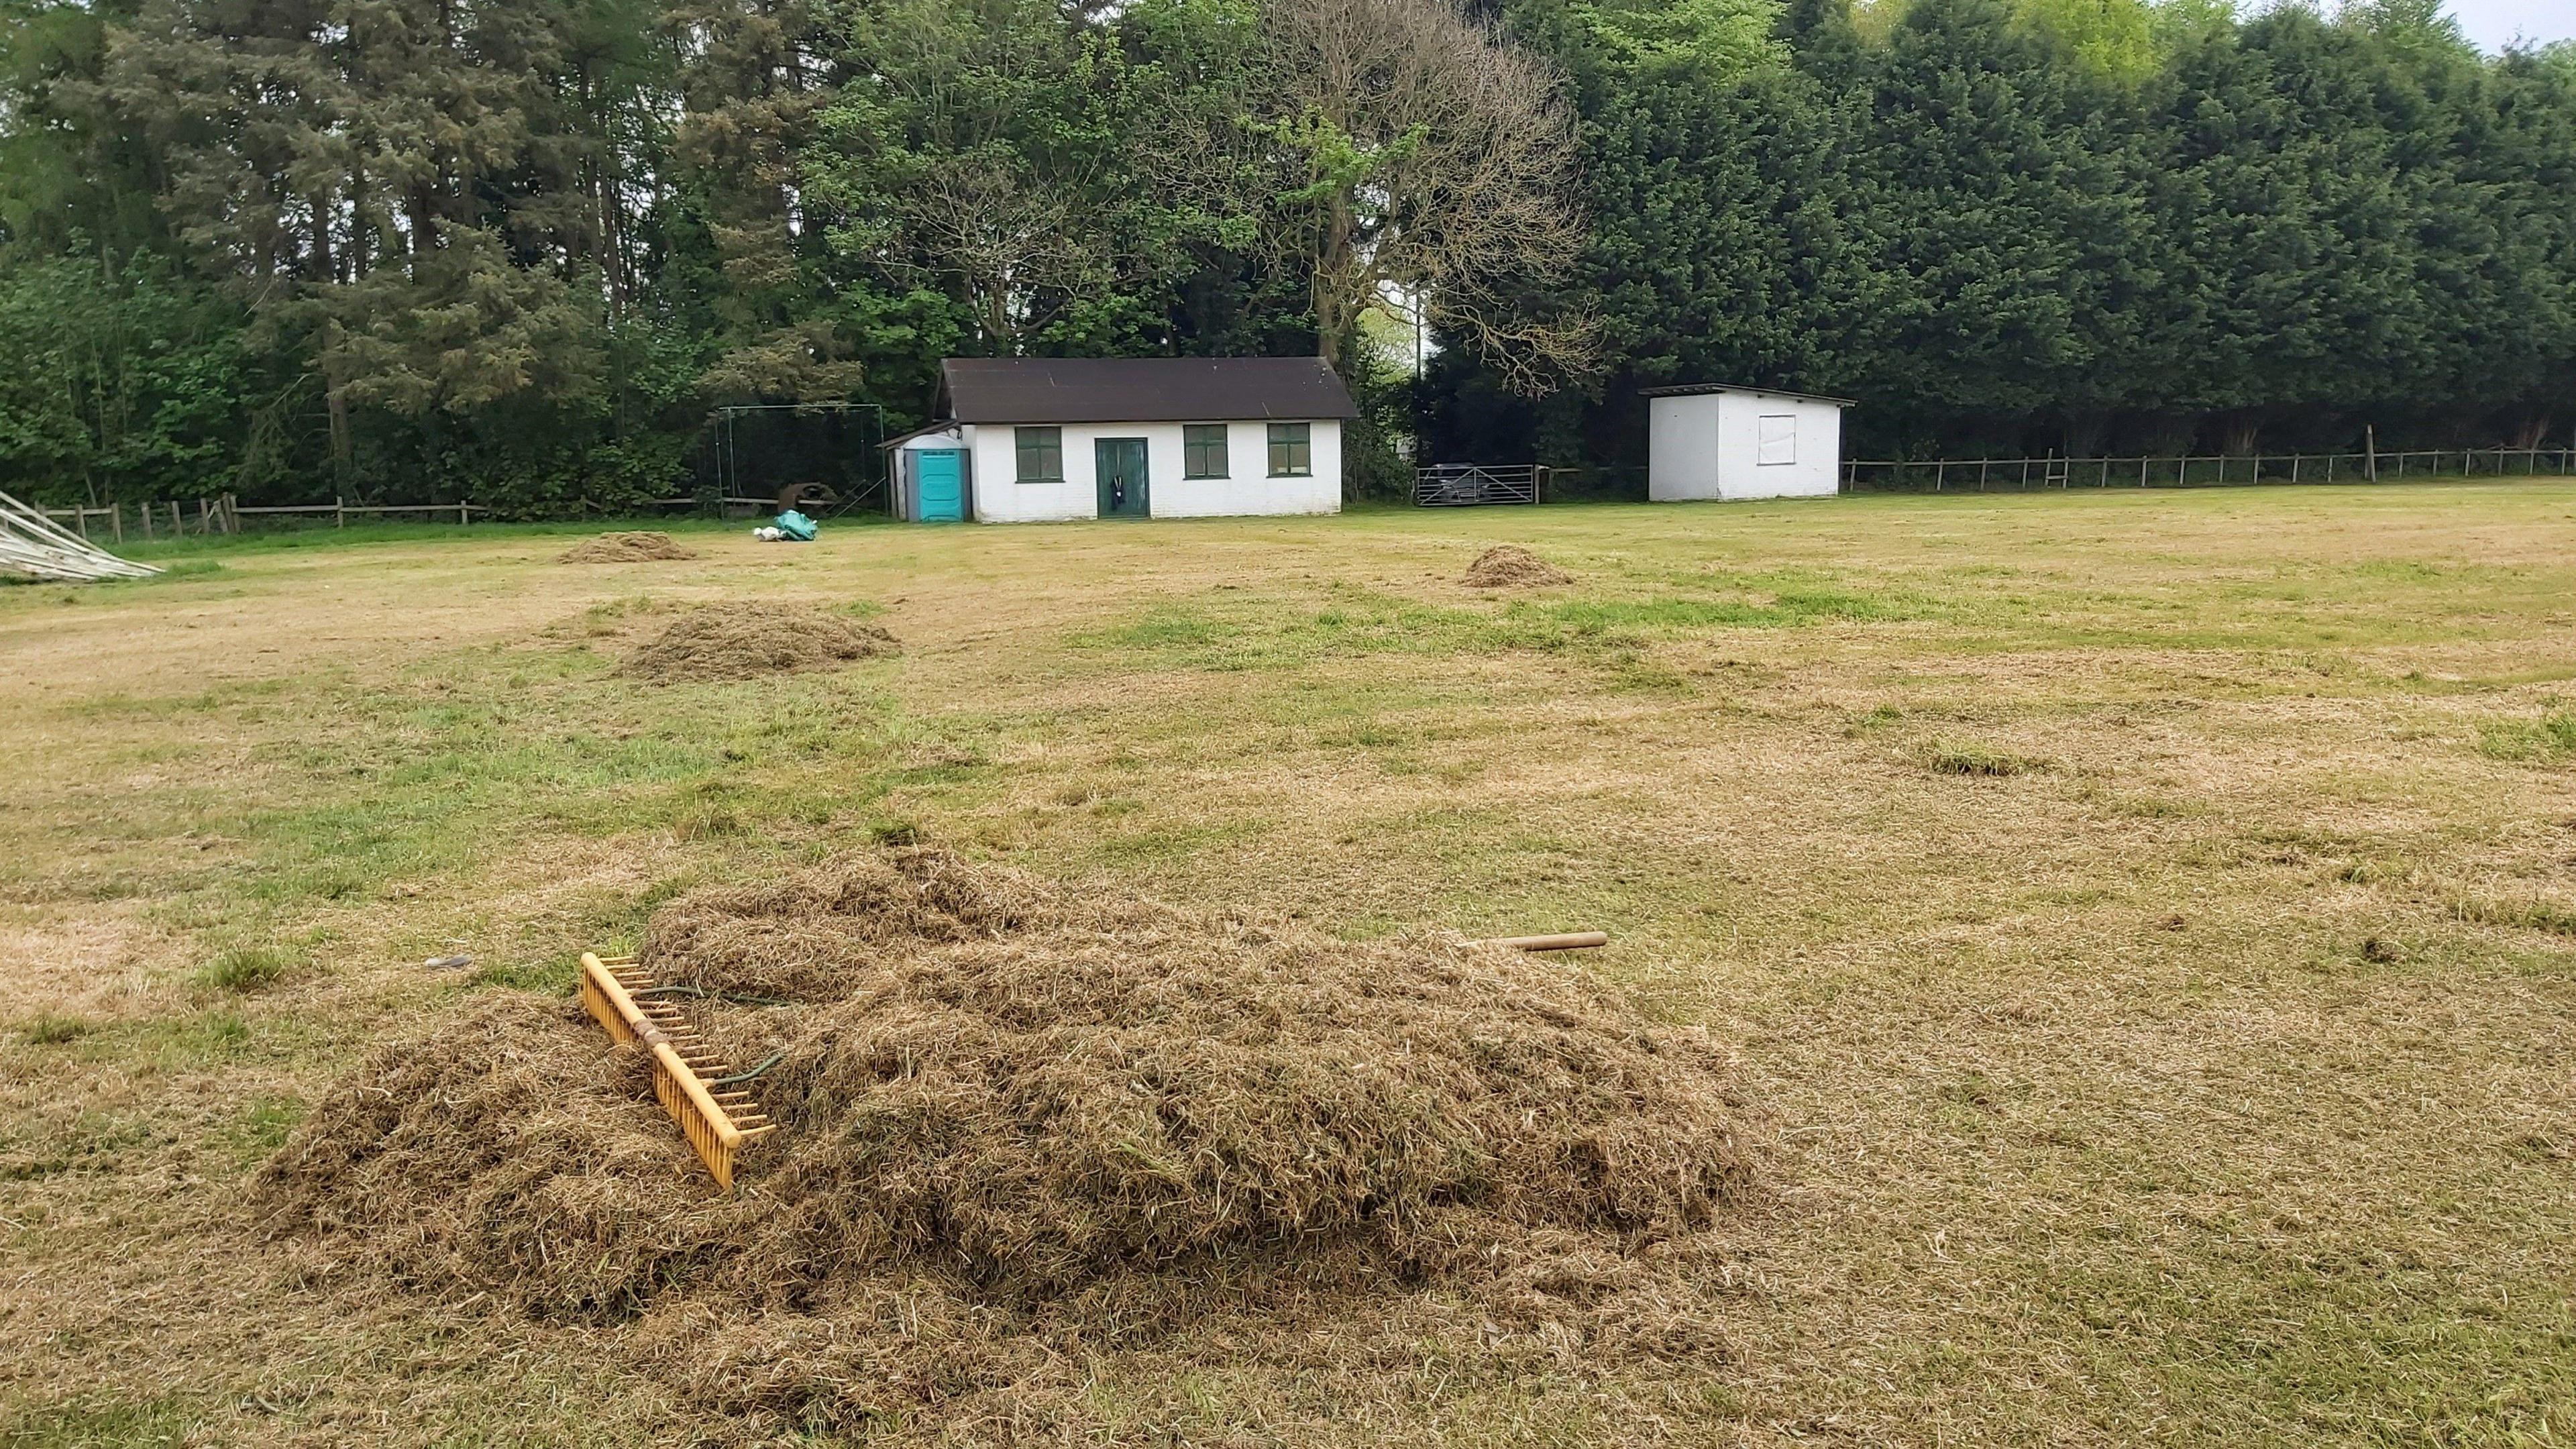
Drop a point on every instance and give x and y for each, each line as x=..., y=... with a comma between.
x=1041, y=454
x=1203, y=451
x=1292, y=450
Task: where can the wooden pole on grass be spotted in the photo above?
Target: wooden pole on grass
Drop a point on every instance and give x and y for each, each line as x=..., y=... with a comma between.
x=1567, y=941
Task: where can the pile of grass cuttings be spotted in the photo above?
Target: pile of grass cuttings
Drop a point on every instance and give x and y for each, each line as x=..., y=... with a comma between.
x=1510, y=566
x=746, y=640
x=638, y=547
x=1020, y=1125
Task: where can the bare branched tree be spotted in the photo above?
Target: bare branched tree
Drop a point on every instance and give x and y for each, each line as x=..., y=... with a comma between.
x=1427, y=155
x=1006, y=241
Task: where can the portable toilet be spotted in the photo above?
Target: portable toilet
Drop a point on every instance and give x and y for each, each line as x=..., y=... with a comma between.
x=933, y=477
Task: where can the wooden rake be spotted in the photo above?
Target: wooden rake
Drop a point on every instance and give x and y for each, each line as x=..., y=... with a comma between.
x=688, y=1077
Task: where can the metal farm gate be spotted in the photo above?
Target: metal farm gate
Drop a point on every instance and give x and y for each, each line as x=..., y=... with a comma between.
x=1465, y=485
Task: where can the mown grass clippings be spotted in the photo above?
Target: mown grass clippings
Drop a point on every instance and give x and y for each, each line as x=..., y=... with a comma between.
x=1510, y=566
x=2259, y=1187
x=753, y=638
x=639, y=546
x=1033, y=1114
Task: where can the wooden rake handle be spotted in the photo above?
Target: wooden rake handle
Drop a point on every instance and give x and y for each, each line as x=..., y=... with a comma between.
x=1568, y=941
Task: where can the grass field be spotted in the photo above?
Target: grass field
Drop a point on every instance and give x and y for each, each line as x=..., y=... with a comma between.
x=2146, y=922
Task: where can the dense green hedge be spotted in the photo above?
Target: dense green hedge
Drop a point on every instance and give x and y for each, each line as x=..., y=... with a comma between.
x=233, y=259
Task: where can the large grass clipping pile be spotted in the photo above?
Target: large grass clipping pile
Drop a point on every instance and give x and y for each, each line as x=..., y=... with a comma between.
x=1510, y=566
x=640, y=546
x=1023, y=1129
x=750, y=638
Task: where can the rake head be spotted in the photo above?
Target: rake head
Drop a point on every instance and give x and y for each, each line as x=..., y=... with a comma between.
x=687, y=1075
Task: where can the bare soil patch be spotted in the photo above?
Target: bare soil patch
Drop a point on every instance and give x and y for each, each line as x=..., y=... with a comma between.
x=1510, y=566
x=643, y=546
x=1019, y=1124
x=746, y=640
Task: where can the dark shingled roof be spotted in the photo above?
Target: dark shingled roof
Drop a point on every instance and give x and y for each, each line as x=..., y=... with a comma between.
x=1141, y=389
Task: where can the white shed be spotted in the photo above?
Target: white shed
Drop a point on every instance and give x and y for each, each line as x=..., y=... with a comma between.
x=1710, y=440
x=1030, y=439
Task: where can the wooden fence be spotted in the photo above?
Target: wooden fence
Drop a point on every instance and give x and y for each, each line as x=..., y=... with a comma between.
x=170, y=519
x=2200, y=470
x=114, y=522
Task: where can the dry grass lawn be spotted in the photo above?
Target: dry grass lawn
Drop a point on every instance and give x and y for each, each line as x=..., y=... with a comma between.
x=2146, y=924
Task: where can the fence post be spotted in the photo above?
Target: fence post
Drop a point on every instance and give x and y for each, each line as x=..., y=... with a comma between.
x=339, y=512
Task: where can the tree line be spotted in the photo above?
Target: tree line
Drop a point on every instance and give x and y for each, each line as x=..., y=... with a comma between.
x=516, y=251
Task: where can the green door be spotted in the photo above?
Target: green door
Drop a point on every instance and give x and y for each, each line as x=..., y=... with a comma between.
x=1124, y=491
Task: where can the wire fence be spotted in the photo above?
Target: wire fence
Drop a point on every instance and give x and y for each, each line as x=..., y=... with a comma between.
x=1984, y=475
x=1460, y=484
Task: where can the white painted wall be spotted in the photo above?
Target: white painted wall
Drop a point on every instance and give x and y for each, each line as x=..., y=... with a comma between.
x=1248, y=489
x=1712, y=445
x=1681, y=447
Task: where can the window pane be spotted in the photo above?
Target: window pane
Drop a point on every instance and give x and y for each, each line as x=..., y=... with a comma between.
x=1041, y=454
x=1291, y=450
x=1203, y=451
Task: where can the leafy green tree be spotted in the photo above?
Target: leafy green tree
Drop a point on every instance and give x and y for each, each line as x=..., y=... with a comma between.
x=124, y=382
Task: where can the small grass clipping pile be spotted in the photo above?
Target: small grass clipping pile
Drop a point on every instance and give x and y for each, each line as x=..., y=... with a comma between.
x=746, y=640
x=1510, y=566
x=638, y=547
x=1022, y=1129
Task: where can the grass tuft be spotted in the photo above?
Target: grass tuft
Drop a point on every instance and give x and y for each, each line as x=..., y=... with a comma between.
x=247, y=968
x=2549, y=738
x=1977, y=760
x=51, y=1030
x=2529, y=914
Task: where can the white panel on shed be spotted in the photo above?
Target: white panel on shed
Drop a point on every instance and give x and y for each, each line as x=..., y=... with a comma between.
x=1779, y=434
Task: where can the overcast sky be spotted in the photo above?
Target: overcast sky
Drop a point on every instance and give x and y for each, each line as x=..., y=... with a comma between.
x=2491, y=23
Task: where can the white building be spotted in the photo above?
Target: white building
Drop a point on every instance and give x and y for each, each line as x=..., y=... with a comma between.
x=1714, y=441
x=1031, y=439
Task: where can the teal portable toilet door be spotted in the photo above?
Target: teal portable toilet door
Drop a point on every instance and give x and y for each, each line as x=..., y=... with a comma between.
x=943, y=485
